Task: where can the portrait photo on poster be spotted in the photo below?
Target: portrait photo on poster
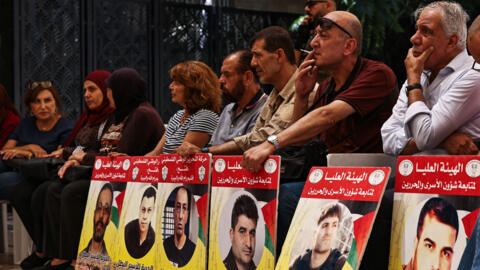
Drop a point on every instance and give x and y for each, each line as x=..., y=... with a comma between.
x=180, y=225
x=325, y=238
x=434, y=235
x=140, y=220
x=241, y=230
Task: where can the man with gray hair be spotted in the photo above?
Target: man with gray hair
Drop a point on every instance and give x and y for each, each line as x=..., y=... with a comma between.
x=437, y=110
x=474, y=41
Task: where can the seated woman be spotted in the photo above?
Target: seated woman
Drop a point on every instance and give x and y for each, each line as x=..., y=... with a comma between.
x=195, y=87
x=135, y=130
x=36, y=135
x=9, y=116
x=85, y=137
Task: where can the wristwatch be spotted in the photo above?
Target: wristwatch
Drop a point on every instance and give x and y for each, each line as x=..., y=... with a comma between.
x=413, y=86
x=273, y=140
x=205, y=149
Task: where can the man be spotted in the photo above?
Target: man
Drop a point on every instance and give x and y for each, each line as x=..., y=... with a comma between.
x=139, y=234
x=305, y=32
x=323, y=255
x=474, y=40
x=274, y=62
x=241, y=87
x=101, y=217
x=178, y=247
x=242, y=234
x=437, y=231
x=437, y=110
x=352, y=104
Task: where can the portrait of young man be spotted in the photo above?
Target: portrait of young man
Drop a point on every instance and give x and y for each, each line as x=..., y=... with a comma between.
x=437, y=231
x=242, y=234
x=178, y=247
x=323, y=255
x=139, y=233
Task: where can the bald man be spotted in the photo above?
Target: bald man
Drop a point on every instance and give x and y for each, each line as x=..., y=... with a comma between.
x=352, y=103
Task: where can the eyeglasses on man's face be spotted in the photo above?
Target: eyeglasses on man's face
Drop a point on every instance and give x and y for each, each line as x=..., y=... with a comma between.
x=326, y=24
x=311, y=3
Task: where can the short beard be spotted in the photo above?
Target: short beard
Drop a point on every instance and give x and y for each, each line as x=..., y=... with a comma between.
x=98, y=238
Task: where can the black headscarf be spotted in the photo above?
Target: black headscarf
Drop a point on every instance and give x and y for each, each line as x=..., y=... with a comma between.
x=129, y=90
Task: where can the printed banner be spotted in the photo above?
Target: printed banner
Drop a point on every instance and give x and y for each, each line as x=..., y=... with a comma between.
x=435, y=208
x=333, y=219
x=146, y=213
x=243, y=214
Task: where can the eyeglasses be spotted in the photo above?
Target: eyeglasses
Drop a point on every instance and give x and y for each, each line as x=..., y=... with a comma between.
x=43, y=84
x=476, y=66
x=311, y=3
x=326, y=24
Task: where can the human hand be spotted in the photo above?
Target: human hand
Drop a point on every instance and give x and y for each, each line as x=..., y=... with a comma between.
x=254, y=157
x=459, y=144
x=78, y=156
x=14, y=153
x=55, y=154
x=35, y=149
x=66, y=165
x=187, y=149
x=415, y=65
x=306, y=77
x=116, y=154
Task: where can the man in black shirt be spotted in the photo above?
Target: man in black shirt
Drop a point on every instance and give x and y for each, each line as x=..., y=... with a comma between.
x=139, y=234
x=178, y=247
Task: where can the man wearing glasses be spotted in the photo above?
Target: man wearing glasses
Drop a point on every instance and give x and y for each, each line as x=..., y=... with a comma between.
x=96, y=249
x=178, y=247
x=352, y=104
x=437, y=111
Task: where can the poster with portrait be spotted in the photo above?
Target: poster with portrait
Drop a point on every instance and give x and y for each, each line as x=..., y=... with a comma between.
x=436, y=205
x=334, y=217
x=182, y=220
x=243, y=214
x=97, y=248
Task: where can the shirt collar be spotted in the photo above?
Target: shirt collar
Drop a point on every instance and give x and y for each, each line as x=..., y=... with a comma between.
x=259, y=95
x=289, y=86
x=458, y=62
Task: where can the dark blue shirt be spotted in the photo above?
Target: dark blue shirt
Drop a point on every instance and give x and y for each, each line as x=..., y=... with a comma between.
x=28, y=133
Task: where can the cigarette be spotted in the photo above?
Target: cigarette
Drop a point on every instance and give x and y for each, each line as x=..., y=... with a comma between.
x=305, y=51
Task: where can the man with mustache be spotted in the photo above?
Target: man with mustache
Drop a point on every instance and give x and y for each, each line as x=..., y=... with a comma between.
x=242, y=235
x=139, y=234
x=437, y=110
x=178, y=247
x=101, y=218
x=322, y=255
x=241, y=87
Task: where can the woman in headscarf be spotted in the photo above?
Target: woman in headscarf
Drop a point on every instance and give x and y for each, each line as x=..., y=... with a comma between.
x=135, y=130
x=196, y=88
x=28, y=197
x=9, y=116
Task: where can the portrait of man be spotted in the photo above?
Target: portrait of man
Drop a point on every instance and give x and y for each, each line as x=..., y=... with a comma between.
x=178, y=247
x=139, y=234
x=437, y=231
x=242, y=234
x=101, y=217
x=323, y=255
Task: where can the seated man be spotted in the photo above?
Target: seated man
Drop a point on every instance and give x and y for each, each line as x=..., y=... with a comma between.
x=440, y=96
x=241, y=87
x=274, y=62
x=353, y=103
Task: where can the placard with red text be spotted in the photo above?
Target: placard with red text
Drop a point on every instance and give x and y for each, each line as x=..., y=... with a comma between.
x=435, y=208
x=243, y=214
x=334, y=217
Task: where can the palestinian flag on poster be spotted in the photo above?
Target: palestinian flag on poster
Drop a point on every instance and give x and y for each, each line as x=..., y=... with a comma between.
x=117, y=203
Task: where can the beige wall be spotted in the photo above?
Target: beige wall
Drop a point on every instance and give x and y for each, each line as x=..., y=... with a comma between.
x=290, y=6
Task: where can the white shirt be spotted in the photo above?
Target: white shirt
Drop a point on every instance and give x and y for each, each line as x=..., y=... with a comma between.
x=452, y=104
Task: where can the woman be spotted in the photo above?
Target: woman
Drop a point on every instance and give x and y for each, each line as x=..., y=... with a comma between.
x=9, y=116
x=135, y=130
x=36, y=135
x=83, y=138
x=195, y=87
